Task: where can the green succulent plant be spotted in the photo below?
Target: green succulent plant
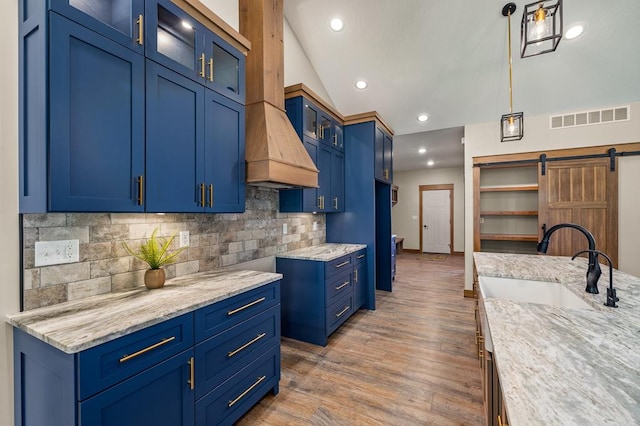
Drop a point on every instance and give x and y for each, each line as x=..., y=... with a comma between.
x=154, y=251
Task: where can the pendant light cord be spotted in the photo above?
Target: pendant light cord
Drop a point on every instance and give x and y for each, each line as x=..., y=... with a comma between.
x=510, y=73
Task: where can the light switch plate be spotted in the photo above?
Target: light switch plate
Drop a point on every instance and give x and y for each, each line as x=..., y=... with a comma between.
x=57, y=252
x=184, y=238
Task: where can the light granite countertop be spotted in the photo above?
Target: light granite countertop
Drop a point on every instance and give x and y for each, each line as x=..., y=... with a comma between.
x=78, y=325
x=322, y=252
x=565, y=366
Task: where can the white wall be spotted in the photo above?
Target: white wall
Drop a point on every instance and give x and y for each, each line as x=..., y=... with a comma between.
x=402, y=214
x=10, y=248
x=484, y=139
x=228, y=10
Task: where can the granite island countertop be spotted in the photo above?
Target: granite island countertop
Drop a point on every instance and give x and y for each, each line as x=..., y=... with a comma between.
x=322, y=252
x=562, y=365
x=78, y=325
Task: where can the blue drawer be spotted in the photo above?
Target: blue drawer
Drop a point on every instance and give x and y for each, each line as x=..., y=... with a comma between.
x=225, y=404
x=338, y=286
x=339, y=312
x=338, y=265
x=216, y=318
x=359, y=256
x=112, y=362
x=225, y=354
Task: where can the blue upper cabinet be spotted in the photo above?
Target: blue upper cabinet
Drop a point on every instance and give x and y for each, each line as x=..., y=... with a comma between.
x=96, y=132
x=195, y=146
x=103, y=128
x=321, y=133
x=175, y=40
x=119, y=20
x=383, y=156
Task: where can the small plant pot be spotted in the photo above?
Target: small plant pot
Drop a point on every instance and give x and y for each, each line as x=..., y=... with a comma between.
x=154, y=278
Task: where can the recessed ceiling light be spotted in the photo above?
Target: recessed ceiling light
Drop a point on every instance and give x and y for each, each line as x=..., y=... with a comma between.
x=336, y=24
x=361, y=84
x=422, y=150
x=430, y=163
x=423, y=117
x=574, y=32
x=187, y=25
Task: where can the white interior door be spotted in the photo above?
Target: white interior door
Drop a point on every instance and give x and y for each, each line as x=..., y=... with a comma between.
x=436, y=217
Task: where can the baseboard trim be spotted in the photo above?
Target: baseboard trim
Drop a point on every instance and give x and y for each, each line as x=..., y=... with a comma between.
x=458, y=253
x=411, y=251
x=468, y=293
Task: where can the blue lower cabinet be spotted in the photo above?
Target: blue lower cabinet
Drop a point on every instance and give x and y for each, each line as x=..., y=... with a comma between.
x=161, y=395
x=173, y=373
x=318, y=297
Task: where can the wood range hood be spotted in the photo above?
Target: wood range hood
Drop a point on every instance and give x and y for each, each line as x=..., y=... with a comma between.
x=275, y=155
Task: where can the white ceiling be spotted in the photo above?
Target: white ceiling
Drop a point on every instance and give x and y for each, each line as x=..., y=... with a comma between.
x=449, y=58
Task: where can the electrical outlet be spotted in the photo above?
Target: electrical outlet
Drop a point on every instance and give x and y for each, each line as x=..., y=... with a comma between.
x=481, y=219
x=284, y=229
x=315, y=226
x=184, y=238
x=57, y=252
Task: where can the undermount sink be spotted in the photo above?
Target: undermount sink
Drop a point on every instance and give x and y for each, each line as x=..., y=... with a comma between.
x=527, y=291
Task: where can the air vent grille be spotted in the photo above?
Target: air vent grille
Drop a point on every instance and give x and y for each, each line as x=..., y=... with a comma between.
x=586, y=118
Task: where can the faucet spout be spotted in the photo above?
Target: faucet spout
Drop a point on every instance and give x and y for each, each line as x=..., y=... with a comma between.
x=594, y=271
x=611, y=292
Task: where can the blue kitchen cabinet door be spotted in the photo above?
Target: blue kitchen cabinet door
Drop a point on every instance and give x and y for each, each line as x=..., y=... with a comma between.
x=324, y=164
x=161, y=395
x=174, y=39
x=302, y=200
x=119, y=20
x=224, y=149
x=383, y=156
x=96, y=116
x=175, y=142
x=337, y=181
x=224, y=68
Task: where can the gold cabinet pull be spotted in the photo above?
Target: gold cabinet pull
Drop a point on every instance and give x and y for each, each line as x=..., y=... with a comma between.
x=340, y=265
x=477, y=335
x=140, y=189
x=192, y=376
x=339, y=314
x=361, y=256
x=355, y=273
x=210, y=69
x=343, y=285
x=246, y=345
x=210, y=195
x=335, y=203
x=202, y=60
x=248, y=305
x=335, y=140
x=480, y=348
x=500, y=423
x=249, y=389
x=140, y=22
x=201, y=195
x=147, y=349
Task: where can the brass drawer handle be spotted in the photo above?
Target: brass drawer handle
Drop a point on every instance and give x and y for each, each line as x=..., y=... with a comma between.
x=140, y=22
x=192, y=376
x=147, y=349
x=202, y=202
x=343, y=285
x=249, y=343
x=339, y=314
x=340, y=265
x=140, y=190
x=210, y=195
x=211, y=69
x=249, y=389
x=248, y=305
x=361, y=256
x=202, y=60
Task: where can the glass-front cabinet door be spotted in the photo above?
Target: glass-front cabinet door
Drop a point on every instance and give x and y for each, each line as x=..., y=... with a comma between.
x=175, y=40
x=324, y=129
x=310, y=123
x=224, y=66
x=119, y=20
x=337, y=137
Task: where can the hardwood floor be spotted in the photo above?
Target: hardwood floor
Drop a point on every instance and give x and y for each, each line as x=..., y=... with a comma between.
x=412, y=361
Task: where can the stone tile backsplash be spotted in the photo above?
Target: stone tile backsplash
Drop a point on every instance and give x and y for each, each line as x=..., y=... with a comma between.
x=216, y=241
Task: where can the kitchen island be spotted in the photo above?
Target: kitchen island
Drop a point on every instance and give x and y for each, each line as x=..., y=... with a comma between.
x=564, y=365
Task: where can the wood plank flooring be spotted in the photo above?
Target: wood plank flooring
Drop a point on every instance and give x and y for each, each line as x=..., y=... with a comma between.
x=412, y=361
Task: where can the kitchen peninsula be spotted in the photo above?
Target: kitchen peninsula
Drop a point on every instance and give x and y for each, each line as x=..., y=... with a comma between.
x=564, y=365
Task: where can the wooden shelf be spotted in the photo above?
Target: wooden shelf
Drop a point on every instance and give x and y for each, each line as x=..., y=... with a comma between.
x=509, y=237
x=509, y=188
x=509, y=213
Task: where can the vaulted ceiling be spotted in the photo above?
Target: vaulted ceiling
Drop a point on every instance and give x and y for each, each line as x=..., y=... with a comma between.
x=449, y=58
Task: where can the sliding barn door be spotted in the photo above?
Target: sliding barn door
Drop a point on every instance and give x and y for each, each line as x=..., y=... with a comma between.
x=584, y=192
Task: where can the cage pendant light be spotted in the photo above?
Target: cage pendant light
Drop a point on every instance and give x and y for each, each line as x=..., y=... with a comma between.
x=541, y=27
x=512, y=124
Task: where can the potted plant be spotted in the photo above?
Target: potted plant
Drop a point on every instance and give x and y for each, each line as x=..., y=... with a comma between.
x=154, y=253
